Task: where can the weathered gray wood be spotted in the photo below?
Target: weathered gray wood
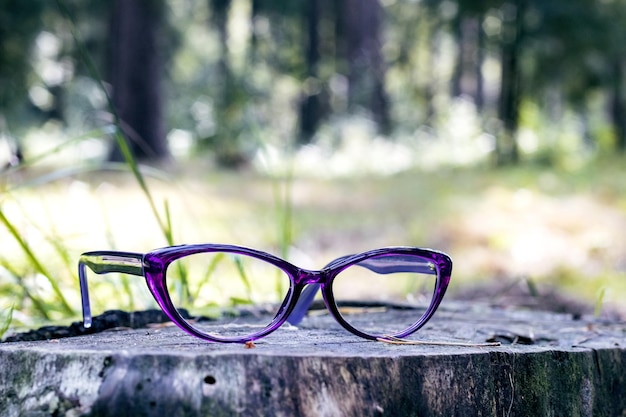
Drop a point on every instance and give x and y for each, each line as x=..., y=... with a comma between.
x=570, y=368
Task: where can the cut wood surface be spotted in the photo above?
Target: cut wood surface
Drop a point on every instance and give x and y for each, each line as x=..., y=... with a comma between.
x=546, y=364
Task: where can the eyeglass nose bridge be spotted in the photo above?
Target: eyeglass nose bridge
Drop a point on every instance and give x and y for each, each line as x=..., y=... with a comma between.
x=313, y=281
x=306, y=276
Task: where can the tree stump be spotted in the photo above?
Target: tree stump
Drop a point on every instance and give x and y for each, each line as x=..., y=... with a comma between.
x=547, y=364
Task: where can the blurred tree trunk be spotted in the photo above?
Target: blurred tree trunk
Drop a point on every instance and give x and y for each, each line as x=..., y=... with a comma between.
x=21, y=21
x=219, y=9
x=456, y=88
x=430, y=90
x=224, y=82
x=479, y=94
x=136, y=71
x=229, y=95
x=254, y=14
x=362, y=20
x=510, y=89
x=310, y=106
x=467, y=75
x=618, y=105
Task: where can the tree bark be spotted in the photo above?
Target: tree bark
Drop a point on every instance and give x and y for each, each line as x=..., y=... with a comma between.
x=549, y=364
x=136, y=71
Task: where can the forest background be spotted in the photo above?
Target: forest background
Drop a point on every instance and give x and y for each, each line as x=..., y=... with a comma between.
x=492, y=130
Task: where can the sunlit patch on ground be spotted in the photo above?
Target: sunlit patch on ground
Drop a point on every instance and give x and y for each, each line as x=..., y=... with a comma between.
x=521, y=232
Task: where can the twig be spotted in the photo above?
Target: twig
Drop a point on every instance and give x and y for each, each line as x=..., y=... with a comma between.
x=399, y=341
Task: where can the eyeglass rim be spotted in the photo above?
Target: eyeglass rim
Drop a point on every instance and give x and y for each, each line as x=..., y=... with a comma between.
x=154, y=266
x=443, y=266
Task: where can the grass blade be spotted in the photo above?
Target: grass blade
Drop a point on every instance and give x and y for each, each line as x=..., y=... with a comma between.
x=74, y=171
x=219, y=257
x=244, y=276
x=5, y=322
x=39, y=305
x=31, y=161
x=168, y=231
x=599, y=302
x=38, y=266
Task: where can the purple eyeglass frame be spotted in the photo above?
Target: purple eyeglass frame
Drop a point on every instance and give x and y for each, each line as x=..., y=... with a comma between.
x=304, y=283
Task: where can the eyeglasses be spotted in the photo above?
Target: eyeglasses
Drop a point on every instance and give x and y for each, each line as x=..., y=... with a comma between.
x=382, y=293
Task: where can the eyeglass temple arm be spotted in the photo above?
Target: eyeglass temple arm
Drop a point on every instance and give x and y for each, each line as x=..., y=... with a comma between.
x=104, y=262
x=383, y=265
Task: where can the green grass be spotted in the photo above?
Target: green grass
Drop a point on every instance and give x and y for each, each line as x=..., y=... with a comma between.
x=478, y=215
x=5, y=320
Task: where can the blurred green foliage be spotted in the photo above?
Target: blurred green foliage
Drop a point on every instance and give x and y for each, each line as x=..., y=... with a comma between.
x=239, y=75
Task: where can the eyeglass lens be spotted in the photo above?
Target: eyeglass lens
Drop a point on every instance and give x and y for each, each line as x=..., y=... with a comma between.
x=381, y=295
x=243, y=292
x=385, y=295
